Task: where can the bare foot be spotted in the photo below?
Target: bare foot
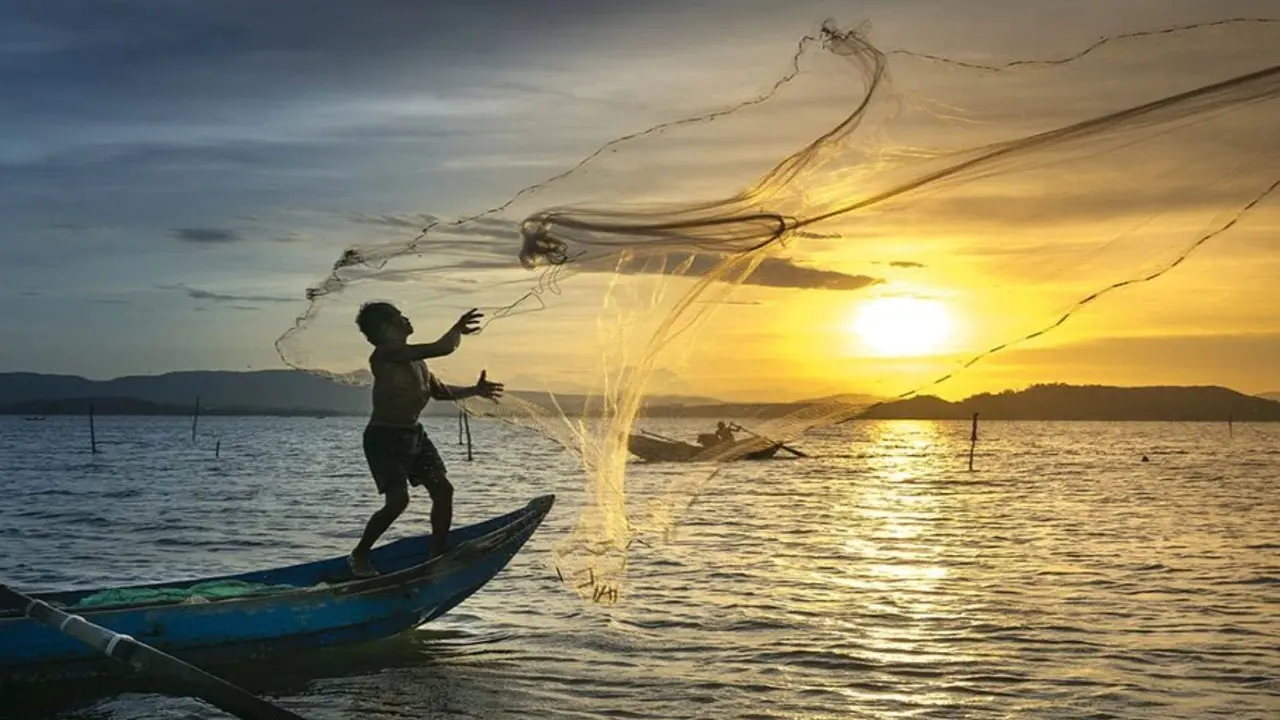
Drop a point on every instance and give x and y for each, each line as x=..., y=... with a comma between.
x=438, y=549
x=359, y=563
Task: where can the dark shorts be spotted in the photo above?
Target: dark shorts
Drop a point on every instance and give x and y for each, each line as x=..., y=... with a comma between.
x=399, y=456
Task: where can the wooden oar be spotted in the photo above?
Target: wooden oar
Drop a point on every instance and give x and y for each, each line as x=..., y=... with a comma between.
x=214, y=690
x=660, y=437
x=784, y=446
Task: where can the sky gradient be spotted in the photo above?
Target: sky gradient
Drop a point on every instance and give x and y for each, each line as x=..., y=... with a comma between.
x=175, y=175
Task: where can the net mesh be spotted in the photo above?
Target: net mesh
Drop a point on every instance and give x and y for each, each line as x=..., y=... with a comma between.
x=708, y=252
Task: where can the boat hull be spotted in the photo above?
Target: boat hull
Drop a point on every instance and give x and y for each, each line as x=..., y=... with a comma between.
x=328, y=609
x=654, y=450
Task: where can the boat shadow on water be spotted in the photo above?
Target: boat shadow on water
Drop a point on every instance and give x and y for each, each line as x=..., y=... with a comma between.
x=438, y=661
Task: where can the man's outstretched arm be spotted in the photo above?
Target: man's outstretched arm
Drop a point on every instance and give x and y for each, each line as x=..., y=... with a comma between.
x=442, y=391
x=483, y=388
x=468, y=324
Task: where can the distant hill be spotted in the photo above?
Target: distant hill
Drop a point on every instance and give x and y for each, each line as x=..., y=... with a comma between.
x=1274, y=395
x=289, y=392
x=255, y=391
x=259, y=392
x=134, y=406
x=1090, y=402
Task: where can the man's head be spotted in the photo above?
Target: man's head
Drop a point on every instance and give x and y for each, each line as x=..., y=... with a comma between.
x=382, y=322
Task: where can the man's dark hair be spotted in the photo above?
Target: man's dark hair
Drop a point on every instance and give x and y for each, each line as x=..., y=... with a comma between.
x=372, y=316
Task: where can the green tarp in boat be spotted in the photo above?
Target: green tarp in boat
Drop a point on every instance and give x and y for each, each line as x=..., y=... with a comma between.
x=200, y=592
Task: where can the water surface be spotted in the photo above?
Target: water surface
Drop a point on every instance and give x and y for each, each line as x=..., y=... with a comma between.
x=1064, y=578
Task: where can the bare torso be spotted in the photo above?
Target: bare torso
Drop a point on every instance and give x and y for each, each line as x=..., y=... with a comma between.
x=400, y=392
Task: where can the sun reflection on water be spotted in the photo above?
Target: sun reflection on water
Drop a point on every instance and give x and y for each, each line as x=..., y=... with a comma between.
x=894, y=545
x=895, y=505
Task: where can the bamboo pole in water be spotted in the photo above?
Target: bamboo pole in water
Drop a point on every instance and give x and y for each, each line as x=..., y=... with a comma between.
x=93, y=435
x=466, y=422
x=195, y=419
x=973, y=440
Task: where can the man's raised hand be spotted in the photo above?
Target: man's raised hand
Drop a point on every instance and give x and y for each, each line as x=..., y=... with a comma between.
x=469, y=323
x=486, y=389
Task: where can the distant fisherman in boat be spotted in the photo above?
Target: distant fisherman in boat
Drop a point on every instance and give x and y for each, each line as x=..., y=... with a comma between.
x=396, y=447
x=723, y=433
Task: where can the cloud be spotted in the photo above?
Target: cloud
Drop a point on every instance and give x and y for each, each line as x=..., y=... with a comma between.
x=414, y=221
x=905, y=264
x=1207, y=350
x=199, y=294
x=144, y=116
x=207, y=236
x=214, y=67
x=772, y=272
x=462, y=255
x=496, y=228
x=1244, y=361
x=781, y=273
x=501, y=229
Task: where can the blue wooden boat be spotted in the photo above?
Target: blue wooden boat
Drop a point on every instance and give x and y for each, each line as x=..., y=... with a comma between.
x=322, y=607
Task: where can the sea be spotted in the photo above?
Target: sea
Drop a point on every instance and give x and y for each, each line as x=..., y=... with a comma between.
x=1064, y=576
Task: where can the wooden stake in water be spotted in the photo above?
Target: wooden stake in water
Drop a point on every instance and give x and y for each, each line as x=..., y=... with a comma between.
x=1231, y=432
x=217, y=449
x=973, y=440
x=195, y=419
x=466, y=422
x=93, y=436
x=461, y=414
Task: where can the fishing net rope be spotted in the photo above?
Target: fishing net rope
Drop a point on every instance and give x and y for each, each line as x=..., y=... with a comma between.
x=1016, y=192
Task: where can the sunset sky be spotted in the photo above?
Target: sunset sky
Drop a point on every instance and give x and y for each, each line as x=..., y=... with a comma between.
x=173, y=176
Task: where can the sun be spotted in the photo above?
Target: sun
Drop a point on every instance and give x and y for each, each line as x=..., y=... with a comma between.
x=902, y=326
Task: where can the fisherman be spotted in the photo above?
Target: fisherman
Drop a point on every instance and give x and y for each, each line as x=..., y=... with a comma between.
x=723, y=433
x=396, y=447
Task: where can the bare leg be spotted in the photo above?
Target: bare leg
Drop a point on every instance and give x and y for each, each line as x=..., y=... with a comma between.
x=397, y=499
x=441, y=517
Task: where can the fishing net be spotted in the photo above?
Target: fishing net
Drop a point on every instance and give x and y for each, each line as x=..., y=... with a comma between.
x=764, y=251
